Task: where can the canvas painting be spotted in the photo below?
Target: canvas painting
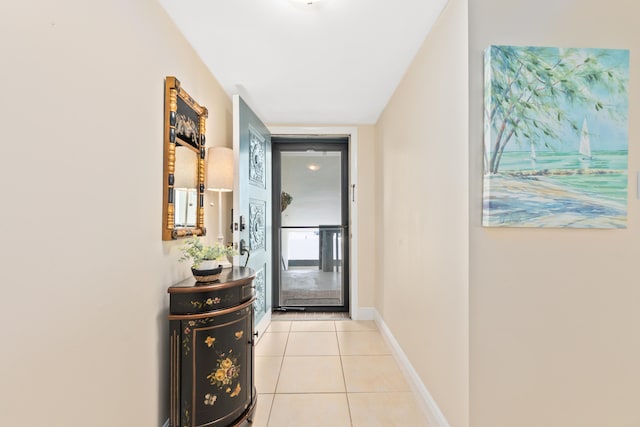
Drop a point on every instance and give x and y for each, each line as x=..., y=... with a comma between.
x=555, y=137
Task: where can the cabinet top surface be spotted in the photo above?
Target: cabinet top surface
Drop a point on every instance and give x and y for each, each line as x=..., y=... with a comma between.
x=229, y=277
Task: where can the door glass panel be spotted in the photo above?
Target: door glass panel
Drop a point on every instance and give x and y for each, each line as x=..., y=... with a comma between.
x=312, y=179
x=311, y=267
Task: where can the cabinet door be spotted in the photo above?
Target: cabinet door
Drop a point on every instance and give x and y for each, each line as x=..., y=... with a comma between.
x=217, y=368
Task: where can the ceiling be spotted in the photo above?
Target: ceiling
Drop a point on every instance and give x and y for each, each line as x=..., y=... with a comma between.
x=330, y=62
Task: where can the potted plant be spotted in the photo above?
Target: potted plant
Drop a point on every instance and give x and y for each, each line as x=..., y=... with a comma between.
x=205, y=264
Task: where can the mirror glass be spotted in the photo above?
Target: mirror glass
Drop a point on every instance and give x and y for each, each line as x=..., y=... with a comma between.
x=185, y=192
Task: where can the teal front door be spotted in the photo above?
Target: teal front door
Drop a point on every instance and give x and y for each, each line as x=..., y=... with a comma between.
x=252, y=200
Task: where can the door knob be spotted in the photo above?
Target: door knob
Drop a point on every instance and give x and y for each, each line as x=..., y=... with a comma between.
x=244, y=250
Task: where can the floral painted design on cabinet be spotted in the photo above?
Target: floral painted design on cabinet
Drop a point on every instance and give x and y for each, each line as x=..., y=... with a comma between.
x=225, y=372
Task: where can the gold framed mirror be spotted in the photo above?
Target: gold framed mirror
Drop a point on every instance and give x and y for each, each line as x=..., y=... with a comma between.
x=184, y=153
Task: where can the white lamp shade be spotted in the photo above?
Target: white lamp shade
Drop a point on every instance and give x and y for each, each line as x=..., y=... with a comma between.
x=220, y=169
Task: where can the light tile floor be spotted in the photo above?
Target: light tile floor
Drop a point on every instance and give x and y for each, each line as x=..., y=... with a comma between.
x=330, y=373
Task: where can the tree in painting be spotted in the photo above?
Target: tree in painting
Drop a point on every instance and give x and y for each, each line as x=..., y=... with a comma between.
x=531, y=89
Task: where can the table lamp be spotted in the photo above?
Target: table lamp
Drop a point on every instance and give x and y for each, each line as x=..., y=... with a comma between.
x=220, y=179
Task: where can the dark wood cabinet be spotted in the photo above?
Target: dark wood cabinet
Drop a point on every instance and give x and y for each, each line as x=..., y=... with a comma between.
x=211, y=355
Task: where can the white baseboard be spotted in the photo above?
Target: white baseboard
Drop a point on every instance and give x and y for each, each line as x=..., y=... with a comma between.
x=166, y=423
x=430, y=408
x=364, y=313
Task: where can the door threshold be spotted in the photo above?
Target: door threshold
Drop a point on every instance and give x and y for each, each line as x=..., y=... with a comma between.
x=308, y=315
x=285, y=309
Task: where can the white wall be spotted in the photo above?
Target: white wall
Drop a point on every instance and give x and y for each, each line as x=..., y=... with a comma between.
x=422, y=151
x=83, y=267
x=554, y=314
x=366, y=195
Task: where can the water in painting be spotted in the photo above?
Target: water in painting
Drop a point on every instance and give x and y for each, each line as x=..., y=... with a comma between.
x=556, y=137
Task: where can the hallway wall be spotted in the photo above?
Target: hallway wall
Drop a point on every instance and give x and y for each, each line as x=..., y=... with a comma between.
x=422, y=152
x=554, y=318
x=84, y=270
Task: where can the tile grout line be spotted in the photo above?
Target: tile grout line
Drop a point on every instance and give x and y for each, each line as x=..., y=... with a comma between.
x=275, y=390
x=284, y=351
x=344, y=378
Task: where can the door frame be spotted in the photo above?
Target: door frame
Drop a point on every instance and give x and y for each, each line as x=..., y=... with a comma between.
x=280, y=144
x=351, y=132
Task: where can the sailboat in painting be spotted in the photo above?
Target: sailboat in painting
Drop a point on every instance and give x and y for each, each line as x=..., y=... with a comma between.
x=585, y=143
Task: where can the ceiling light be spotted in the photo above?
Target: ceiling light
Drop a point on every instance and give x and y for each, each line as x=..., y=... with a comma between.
x=307, y=2
x=313, y=167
